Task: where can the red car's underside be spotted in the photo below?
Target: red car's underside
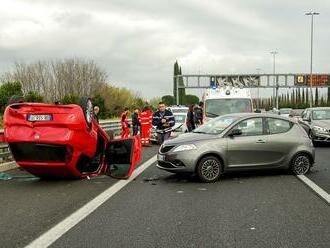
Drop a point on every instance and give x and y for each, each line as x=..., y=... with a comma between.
x=65, y=146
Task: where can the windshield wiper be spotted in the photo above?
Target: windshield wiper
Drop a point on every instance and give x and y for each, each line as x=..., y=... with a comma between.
x=209, y=113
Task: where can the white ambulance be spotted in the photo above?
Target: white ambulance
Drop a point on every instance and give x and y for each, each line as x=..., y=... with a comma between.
x=226, y=100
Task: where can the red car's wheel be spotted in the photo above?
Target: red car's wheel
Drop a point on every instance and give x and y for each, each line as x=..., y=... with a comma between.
x=87, y=107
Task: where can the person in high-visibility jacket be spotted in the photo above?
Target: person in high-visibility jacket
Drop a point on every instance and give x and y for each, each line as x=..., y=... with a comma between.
x=124, y=124
x=145, y=119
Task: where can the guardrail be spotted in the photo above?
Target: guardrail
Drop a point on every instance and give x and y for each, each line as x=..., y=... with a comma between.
x=5, y=154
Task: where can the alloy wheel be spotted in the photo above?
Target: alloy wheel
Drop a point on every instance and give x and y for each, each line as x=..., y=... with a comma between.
x=301, y=165
x=210, y=170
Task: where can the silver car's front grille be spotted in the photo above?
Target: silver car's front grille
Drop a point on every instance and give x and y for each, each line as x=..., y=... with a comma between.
x=165, y=149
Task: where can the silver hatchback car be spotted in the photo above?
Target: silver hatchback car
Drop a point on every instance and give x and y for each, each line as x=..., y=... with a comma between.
x=239, y=142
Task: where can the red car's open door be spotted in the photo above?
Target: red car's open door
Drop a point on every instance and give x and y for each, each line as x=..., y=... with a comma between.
x=122, y=156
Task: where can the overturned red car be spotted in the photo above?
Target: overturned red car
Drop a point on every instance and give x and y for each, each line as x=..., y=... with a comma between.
x=50, y=140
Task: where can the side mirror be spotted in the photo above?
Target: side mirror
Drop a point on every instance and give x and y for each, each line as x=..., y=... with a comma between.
x=235, y=132
x=307, y=119
x=257, y=111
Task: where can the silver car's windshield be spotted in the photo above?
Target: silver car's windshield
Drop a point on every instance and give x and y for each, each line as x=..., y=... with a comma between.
x=323, y=114
x=179, y=118
x=179, y=110
x=218, y=107
x=217, y=125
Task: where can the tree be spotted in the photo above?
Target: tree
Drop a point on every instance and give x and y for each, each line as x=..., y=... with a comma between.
x=32, y=96
x=168, y=100
x=316, y=96
x=99, y=101
x=191, y=99
x=7, y=90
x=303, y=96
x=70, y=99
x=175, y=80
x=178, y=81
x=55, y=79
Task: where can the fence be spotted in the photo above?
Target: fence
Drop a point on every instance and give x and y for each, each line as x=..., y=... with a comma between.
x=114, y=126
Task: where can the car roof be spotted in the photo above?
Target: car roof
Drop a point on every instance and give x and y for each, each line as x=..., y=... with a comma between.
x=319, y=108
x=247, y=115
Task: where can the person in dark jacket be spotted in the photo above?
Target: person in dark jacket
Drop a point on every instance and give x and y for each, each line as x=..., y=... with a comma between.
x=190, y=122
x=198, y=112
x=164, y=120
x=135, y=122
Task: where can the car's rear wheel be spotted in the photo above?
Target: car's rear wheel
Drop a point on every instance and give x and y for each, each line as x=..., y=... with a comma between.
x=209, y=169
x=15, y=99
x=301, y=164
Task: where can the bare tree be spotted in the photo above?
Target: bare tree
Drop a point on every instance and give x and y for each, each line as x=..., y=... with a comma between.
x=55, y=79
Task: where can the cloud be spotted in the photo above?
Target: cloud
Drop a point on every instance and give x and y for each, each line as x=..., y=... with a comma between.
x=137, y=42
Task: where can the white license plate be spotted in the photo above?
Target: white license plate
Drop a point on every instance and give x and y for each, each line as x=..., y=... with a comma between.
x=161, y=157
x=39, y=117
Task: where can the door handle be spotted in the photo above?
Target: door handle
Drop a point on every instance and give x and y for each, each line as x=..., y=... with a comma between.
x=260, y=141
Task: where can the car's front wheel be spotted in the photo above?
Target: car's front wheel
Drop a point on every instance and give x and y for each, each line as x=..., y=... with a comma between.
x=301, y=164
x=209, y=169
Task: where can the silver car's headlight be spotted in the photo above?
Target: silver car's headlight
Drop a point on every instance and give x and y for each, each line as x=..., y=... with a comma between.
x=185, y=148
x=320, y=129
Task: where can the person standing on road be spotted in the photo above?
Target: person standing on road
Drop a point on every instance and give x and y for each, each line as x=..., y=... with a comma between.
x=96, y=113
x=124, y=124
x=164, y=120
x=146, y=122
x=190, y=122
x=198, y=111
x=135, y=122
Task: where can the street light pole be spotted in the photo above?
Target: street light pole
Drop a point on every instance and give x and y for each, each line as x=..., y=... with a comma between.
x=274, y=97
x=258, y=70
x=311, y=13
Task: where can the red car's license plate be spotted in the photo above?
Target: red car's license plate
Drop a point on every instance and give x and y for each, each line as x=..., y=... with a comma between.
x=39, y=117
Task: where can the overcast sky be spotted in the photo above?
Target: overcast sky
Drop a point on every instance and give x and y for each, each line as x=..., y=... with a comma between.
x=137, y=41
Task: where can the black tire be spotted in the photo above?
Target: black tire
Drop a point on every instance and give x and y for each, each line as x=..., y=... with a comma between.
x=15, y=99
x=87, y=108
x=311, y=136
x=301, y=164
x=209, y=169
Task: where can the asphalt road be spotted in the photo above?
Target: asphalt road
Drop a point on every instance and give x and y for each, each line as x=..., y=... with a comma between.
x=320, y=174
x=159, y=209
x=30, y=206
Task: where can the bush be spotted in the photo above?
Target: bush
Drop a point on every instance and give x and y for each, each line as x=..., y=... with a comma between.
x=7, y=90
x=70, y=99
x=33, y=97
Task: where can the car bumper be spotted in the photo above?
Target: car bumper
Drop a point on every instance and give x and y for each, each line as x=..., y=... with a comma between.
x=184, y=161
x=320, y=137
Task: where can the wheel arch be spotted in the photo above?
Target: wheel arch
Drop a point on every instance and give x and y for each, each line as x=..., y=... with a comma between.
x=215, y=154
x=310, y=156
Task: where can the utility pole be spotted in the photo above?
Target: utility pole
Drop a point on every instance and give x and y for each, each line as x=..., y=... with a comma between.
x=258, y=96
x=275, y=98
x=311, y=13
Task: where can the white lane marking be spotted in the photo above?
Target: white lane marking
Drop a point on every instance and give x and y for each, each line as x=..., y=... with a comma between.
x=319, y=191
x=61, y=228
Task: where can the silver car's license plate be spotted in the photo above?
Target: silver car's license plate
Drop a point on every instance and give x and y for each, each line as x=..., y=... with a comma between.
x=39, y=117
x=161, y=157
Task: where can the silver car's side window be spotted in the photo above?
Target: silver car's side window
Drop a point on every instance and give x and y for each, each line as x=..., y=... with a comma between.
x=278, y=126
x=251, y=127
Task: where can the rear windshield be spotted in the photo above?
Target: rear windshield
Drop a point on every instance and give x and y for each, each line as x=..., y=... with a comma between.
x=218, y=107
